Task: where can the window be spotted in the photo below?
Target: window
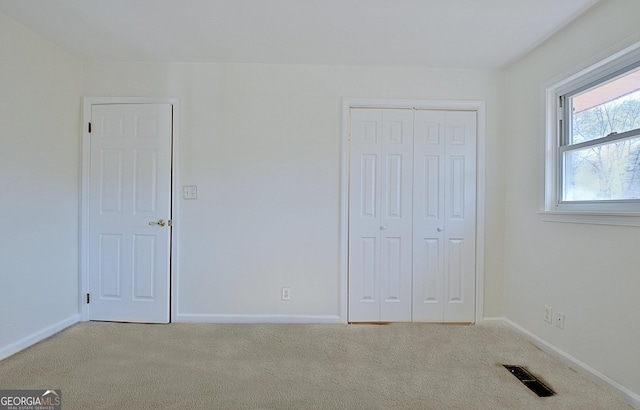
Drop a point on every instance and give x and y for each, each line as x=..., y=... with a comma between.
x=600, y=141
x=593, y=139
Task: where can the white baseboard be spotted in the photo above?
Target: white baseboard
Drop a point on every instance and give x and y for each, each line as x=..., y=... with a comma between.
x=30, y=340
x=627, y=395
x=299, y=319
x=493, y=319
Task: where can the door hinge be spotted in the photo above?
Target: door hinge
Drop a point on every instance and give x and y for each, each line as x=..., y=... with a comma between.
x=88, y=298
x=560, y=101
x=89, y=128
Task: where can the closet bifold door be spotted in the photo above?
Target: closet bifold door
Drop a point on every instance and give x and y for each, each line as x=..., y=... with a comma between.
x=444, y=216
x=380, y=215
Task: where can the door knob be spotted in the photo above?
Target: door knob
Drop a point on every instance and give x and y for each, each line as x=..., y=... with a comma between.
x=439, y=229
x=383, y=227
x=159, y=223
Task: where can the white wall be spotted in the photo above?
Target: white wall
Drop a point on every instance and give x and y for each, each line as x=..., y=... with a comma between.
x=39, y=175
x=588, y=272
x=262, y=143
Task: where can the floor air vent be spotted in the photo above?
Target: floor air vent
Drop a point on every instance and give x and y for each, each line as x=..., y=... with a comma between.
x=530, y=381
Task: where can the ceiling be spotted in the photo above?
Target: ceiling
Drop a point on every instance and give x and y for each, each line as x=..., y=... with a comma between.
x=473, y=34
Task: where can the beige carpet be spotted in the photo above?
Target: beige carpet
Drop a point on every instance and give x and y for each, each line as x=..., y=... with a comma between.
x=208, y=366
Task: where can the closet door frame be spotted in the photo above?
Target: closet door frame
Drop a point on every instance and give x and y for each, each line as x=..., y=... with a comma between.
x=461, y=105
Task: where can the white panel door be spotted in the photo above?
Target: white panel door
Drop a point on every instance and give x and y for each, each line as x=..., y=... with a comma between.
x=129, y=212
x=428, y=216
x=380, y=217
x=444, y=205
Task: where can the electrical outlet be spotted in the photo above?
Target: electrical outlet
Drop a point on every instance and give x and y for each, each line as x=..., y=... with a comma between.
x=548, y=314
x=286, y=294
x=558, y=319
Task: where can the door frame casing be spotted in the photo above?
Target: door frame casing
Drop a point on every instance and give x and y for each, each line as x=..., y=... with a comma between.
x=83, y=251
x=479, y=106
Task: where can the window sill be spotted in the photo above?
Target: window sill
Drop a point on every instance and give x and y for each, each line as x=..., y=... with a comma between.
x=592, y=218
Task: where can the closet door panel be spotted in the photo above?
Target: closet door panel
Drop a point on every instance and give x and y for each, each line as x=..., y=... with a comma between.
x=428, y=216
x=460, y=216
x=396, y=221
x=364, y=215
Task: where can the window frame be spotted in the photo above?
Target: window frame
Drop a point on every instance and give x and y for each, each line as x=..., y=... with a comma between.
x=619, y=212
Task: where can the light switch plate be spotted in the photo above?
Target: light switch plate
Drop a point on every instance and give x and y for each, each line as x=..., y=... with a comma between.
x=190, y=191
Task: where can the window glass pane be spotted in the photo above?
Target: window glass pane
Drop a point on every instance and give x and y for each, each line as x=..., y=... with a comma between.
x=613, y=106
x=603, y=172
